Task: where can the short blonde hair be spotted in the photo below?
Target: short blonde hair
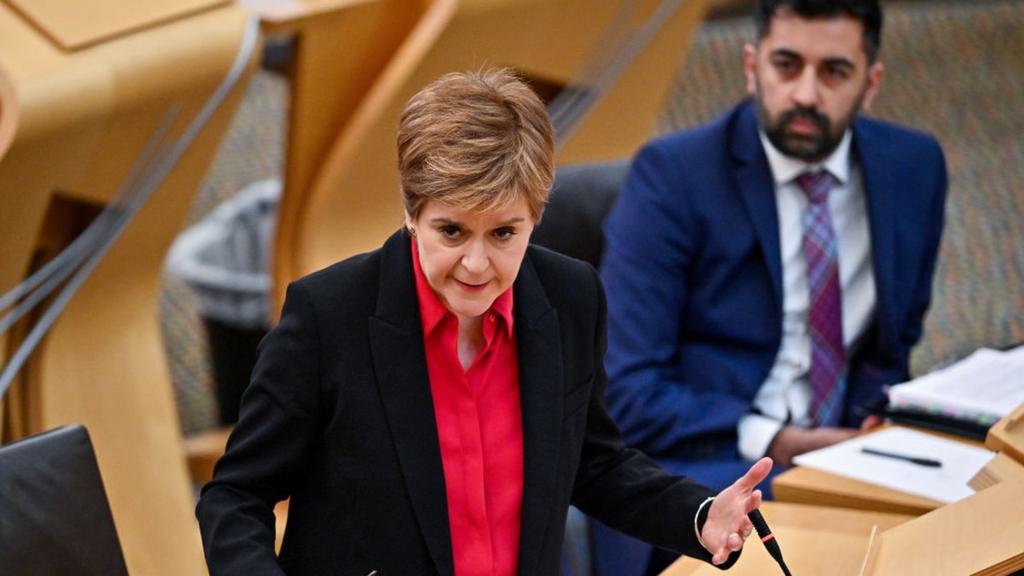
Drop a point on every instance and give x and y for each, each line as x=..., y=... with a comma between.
x=477, y=140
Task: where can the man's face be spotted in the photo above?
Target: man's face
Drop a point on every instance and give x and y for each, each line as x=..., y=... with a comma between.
x=809, y=78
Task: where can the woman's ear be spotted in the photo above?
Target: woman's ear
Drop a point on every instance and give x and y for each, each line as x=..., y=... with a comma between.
x=410, y=224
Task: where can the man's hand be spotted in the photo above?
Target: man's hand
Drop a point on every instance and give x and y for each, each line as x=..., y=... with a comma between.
x=870, y=423
x=727, y=525
x=792, y=441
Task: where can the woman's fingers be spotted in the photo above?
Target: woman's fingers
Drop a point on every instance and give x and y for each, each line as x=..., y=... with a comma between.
x=753, y=502
x=746, y=525
x=757, y=473
x=728, y=522
x=733, y=542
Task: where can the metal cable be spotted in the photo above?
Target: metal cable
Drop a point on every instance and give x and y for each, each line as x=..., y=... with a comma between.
x=581, y=101
x=47, y=278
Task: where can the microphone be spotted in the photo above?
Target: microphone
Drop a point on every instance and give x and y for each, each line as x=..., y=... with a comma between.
x=770, y=543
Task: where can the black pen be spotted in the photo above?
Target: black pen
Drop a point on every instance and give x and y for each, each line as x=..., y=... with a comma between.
x=913, y=459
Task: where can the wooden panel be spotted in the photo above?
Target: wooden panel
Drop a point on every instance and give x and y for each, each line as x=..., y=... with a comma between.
x=82, y=119
x=980, y=535
x=1001, y=468
x=809, y=486
x=1007, y=435
x=203, y=450
x=74, y=24
x=8, y=112
x=814, y=540
x=289, y=13
x=358, y=38
x=625, y=118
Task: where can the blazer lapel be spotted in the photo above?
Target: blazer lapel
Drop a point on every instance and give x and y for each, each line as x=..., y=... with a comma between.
x=404, y=385
x=880, y=192
x=541, y=390
x=757, y=189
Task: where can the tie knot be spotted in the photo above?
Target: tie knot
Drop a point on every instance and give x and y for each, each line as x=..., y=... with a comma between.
x=815, y=185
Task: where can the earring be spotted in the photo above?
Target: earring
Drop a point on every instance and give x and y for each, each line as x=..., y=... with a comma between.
x=412, y=231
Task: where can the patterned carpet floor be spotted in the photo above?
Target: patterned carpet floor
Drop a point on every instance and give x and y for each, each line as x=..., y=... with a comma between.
x=954, y=68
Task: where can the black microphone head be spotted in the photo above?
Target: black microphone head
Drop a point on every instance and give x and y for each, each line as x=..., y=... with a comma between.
x=768, y=539
x=759, y=524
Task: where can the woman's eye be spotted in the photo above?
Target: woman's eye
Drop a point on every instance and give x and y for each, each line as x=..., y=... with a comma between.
x=450, y=232
x=504, y=233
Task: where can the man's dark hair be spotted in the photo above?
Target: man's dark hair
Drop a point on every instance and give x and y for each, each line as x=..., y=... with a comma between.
x=867, y=11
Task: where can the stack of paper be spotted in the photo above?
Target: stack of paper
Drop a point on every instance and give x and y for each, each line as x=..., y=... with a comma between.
x=947, y=482
x=982, y=388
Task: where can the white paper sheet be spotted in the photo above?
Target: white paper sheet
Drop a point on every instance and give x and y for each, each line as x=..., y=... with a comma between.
x=947, y=483
x=985, y=386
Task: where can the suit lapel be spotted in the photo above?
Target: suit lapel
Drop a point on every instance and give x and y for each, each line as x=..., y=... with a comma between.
x=541, y=390
x=399, y=359
x=880, y=192
x=757, y=189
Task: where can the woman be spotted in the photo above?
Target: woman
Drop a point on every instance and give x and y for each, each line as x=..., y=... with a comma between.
x=433, y=407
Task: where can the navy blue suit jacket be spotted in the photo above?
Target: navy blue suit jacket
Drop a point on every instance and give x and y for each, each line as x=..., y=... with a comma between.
x=693, y=274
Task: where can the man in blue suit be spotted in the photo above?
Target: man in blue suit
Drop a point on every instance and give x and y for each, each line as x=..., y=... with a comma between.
x=768, y=273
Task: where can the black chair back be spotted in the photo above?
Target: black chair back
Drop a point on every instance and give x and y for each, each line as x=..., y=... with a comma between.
x=54, y=514
x=581, y=198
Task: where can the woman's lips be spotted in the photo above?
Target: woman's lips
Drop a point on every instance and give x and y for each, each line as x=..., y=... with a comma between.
x=471, y=287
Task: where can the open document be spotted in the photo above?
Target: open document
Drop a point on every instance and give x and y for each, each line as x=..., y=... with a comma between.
x=981, y=388
x=885, y=458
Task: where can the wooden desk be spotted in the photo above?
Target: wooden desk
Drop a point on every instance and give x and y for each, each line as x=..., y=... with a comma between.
x=809, y=486
x=814, y=540
x=203, y=450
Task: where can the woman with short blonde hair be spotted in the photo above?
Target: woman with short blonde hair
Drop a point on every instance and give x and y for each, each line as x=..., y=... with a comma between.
x=434, y=406
x=476, y=140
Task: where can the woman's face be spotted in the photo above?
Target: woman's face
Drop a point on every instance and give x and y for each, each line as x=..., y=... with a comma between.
x=471, y=257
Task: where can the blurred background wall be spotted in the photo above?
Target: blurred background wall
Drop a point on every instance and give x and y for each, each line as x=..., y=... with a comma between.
x=954, y=68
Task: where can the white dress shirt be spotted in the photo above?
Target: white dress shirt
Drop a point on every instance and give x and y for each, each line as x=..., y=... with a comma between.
x=785, y=396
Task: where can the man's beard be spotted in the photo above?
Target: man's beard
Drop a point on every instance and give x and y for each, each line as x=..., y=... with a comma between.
x=809, y=148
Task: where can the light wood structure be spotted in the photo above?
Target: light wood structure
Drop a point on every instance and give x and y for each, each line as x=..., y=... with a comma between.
x=1006, y=438
x=83, y=85
x=340, y=48
x=814, y=540
x=1007, y=435
x=801, y=485
x=977, y=536
x=1000, y=469
x=203, y=451
x=351, y=202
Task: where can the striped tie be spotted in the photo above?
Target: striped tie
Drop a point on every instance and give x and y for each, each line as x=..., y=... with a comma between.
x=825, y=318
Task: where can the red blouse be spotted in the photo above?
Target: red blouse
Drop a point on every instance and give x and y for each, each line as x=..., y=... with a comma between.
x=480, y=429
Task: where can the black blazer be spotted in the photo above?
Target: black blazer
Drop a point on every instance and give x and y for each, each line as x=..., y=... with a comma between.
x=339, y=417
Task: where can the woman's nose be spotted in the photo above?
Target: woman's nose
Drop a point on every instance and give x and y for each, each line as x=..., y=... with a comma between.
x=475, y=259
